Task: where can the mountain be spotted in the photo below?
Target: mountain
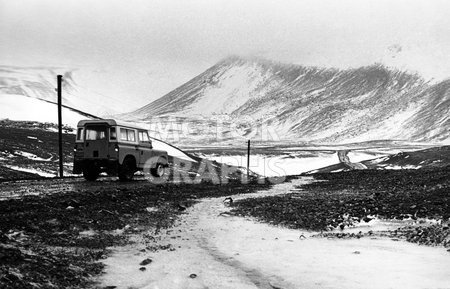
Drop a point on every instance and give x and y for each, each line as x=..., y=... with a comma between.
x=28, y=93
x=265, y=100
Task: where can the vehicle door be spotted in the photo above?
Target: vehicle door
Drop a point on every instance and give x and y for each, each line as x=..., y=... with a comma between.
x=145, y=148
x=129, y=144
x=95, y=141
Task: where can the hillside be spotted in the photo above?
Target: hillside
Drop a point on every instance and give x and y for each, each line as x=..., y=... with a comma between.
x=28, y=93
x=30, y=149
x=438, y=157
x=264, y=100
x=428, y=159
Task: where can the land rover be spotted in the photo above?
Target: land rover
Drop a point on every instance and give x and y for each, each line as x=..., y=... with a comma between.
x=115, y=148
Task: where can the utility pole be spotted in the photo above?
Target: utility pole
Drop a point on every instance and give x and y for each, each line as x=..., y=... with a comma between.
x=248, y=161
x=61, y=171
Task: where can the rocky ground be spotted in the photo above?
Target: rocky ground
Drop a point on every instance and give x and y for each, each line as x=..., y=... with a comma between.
x=59, y=233
x=47, y=240
x=347, y=199
x=29, y=150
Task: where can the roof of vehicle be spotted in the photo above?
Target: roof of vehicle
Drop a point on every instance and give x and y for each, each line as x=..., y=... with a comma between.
x=108, y=122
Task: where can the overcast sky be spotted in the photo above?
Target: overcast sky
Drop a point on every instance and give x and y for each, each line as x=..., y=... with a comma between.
x=167, y=42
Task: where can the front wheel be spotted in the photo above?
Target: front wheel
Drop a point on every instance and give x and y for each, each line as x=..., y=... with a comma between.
x=158, y=171
x=127, y=170
x=91, y=173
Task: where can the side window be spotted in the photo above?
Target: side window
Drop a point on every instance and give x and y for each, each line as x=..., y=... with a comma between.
x=123, y=134
x=127, y=135
x=131, y=135
x=143, y=136
x=80, y=133
x=112, y=133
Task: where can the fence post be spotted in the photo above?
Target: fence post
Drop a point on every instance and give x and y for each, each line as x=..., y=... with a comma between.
x=61, y=168
x=248, y=161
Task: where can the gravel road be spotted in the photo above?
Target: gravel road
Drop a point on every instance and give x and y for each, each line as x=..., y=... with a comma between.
x=209, y=248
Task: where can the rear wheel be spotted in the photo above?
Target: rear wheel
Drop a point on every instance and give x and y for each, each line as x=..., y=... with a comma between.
x=127, y=169
x=158, y=171
x=91, y=173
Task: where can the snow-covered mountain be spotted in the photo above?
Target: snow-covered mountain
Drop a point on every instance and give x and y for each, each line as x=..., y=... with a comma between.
x=297, y=103
x=28, y=93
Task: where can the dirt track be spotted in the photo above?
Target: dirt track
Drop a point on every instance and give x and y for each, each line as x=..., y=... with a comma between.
x=188, y=229
x=224, y=251
x=343, y=158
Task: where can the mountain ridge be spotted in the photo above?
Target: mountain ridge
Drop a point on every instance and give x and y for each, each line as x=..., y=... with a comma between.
x=311, y=103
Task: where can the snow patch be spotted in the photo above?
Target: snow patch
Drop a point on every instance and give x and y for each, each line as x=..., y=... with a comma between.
x=237, y=85
x=271, y=166
x=32, y=171
x=171, y=150
x=20, y=107
x=359, y=156
x=32, y=156
x=407, y=167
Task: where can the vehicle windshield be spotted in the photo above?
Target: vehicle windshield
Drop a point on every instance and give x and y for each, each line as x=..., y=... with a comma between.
x=95, y=132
